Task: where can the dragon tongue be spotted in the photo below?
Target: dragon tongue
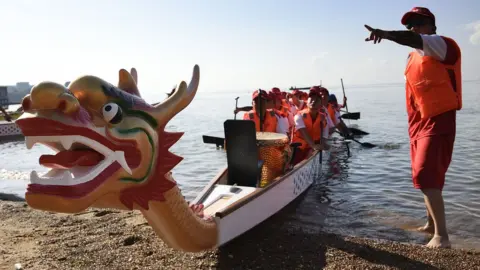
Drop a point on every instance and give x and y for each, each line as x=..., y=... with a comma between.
x=71, y=158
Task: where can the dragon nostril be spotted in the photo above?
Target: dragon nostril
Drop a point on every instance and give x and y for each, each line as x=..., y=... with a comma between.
x=62, y=105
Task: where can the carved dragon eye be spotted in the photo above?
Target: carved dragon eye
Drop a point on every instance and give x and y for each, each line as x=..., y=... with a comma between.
x=112, y=113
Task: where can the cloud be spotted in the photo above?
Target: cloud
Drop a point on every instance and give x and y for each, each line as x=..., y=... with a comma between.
x=475, y=27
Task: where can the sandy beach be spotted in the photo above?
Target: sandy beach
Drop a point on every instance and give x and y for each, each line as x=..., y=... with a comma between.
x=106, y=239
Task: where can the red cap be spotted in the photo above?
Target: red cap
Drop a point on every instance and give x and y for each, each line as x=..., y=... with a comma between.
x=262, y=94
x=315, y=91
x=296, y=92
x=275, y=96
x=323, y=90
x=276, y=90
x=418, y=11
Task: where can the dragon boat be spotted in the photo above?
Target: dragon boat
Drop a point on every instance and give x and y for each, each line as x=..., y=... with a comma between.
x=112, y=151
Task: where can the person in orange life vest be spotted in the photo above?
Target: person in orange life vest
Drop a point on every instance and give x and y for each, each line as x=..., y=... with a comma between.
x=304, y=97
x=266, y=96
x=278, y=100
x=310, y=127
x=333, y=100
x=279, y=105
x=282, y=122
x=433, y=95
x=334, y=112
x=297, y=103
x=281, y=95
x=269, y=103
x=260, y=111
x=333, y=116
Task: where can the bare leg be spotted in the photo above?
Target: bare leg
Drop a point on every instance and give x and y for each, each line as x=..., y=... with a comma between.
x=430, y=226
x=436, y=209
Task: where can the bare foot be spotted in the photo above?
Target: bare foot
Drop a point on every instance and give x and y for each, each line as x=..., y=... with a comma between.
x=439, y=242
x=426, y=229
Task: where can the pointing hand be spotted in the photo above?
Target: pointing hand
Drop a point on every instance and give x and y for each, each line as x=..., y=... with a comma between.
x=375, y=34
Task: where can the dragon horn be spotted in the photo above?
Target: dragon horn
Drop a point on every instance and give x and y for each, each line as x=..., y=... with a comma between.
x=180, y=99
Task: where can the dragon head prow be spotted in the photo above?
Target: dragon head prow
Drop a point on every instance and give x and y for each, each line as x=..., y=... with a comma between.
x=111, y=147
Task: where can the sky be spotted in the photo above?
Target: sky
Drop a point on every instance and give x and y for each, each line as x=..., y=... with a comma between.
x=239, y=45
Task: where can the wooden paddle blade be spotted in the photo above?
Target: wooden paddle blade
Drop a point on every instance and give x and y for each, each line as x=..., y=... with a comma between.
x=242, y=152
x=213, y=140
x=351, y=116
x=357, y=131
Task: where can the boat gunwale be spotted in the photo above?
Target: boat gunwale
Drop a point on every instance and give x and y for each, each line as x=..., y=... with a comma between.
x=211, y=184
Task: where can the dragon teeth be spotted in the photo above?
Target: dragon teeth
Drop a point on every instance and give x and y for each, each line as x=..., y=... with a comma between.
x=120, y=158
x=67, y=142
x=29, y=141
x=34, y=178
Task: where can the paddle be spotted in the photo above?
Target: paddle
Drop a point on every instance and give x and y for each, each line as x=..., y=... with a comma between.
x=236, y=106
x=299, y=88
x=356, y=131
x=352, y=116
x=219, y=142
x=367, y=145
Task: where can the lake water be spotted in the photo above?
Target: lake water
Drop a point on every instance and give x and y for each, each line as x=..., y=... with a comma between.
x=368, y=193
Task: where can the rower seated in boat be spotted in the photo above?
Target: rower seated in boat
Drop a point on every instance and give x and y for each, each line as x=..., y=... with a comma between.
x=310, y=127
x=296, y=103
x=332, y=116
x=281, y=113
x=264, y=117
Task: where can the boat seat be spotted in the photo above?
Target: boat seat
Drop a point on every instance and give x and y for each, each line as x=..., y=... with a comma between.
x=244, y=168
x=223, y=196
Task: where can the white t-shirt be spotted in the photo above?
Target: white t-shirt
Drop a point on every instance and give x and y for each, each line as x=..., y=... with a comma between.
x=299, y=123
x=282, y=125
x=434, y=46
x=330, y=124
x=294, y=109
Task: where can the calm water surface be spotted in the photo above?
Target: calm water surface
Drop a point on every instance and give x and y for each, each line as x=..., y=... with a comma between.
x=368, y=193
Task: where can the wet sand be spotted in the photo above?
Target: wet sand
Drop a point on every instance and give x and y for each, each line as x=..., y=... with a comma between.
x=123, y=240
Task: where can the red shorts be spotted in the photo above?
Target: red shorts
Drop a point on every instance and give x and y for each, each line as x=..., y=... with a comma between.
x=431, y=157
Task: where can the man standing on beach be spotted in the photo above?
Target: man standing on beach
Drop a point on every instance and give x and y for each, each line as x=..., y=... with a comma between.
x=434, y=94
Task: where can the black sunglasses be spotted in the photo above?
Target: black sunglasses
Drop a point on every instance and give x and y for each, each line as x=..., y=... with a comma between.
x=417, y=22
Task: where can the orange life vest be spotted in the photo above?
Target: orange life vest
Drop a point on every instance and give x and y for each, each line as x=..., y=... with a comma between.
x=314, y=129
x=435, y=87
x=331, y=112
x=269, y=123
